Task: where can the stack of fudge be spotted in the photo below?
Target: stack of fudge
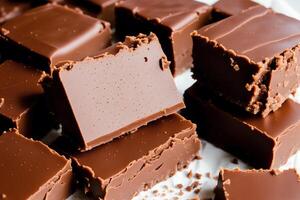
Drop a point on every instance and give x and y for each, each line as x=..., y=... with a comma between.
x=109, y=109
x=247, y=65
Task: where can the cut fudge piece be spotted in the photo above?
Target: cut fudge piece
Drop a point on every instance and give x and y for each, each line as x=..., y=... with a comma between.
x=22, y=102
x=122, y=168
x=258, y=185
x=30, y=170
x=46, y=35
x=103, y=97
x=242, y=63
x=226, y=8
x=172, y=21
x=262, y=142
x=12, y=8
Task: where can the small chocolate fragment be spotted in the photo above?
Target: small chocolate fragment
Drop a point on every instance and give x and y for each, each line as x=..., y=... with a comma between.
x=104, y=97
x=48, y=34
x=122, y=168
x=261, y=142
x=30, y=170
x=22, y=100
x=258, y=185
x=226, y=8
x=12, y=8
x=172, y=21
x=237, y=60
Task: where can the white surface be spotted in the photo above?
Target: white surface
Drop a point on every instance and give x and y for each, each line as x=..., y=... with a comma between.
x=212, y=158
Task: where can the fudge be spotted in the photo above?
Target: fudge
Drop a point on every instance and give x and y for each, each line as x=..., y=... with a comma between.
x=240, y=62
x=30, y=170
x=122, y=168
x=102, y=97
x=22, y=102
x=258, y=185
x=48, y=34
x=172, y=21
x=226, y=8
x=12, y=8
x=261, y=142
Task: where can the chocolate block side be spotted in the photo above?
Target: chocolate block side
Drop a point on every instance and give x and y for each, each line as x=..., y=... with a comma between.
x=162, y=160
x=258, y=184
x=228, y=132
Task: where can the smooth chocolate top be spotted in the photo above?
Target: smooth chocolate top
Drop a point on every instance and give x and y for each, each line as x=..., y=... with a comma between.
x=52, y=30
x=118, y=89
x=174, y=14
x=25, y=166
x=233, y=7
x=245, y=33
x=274, y=125
x=19, y=88
x=132, y=147
x=12, y=8
x=261, y=185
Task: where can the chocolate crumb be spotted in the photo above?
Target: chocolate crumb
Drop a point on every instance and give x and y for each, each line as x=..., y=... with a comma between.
x=197, y=191
x=197, y=157
x=164, y=63
x=195, y=184
x=155, y=191
x=235, y=161
x=188, y=188
x=198, y=176
x=208, y=175
x=180, y=193
x=190, y=174
x=179, y=186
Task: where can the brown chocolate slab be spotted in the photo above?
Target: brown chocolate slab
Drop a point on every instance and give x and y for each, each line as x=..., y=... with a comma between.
x=140, y=159
x=51, y=33
x=23, y=103
x=104, y=97
x=275, y=137
x=171, y=20
x=258, y=185
x=226, y=8
x=240, y=62
x=30, y=170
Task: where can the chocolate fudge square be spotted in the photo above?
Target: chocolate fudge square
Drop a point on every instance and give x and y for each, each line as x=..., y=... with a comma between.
x=22, y=100
x=246, y=65
x=135, y=162
x=226, y=8
x=46, y=35
x=103, y=97
x=258, y=185
x=13, y=8
x=30, y=170
x=171, y=20
x=261, y=142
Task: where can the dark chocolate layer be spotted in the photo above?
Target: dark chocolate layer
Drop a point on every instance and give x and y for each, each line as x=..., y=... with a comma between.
x=275, y=137
x=140, y=159
x=258, y=185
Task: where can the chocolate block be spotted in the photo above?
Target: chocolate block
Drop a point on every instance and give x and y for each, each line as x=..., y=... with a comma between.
x=240, y=62
x=103, y=97
x=135, y=162
x=12, y=8
x=22, y=100
x=171, y=20
x=226, y=8
x=258, y=185
x=30, y=170
x=38, y=38
x=261, y=142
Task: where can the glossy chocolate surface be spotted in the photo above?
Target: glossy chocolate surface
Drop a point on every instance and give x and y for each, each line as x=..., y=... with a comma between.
x=258, y=185
x=29, y=169
x=246, y=66
x=171, y=20
x=275, y=137
x=52, y=33
x=114, y=91
x=141, y=158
